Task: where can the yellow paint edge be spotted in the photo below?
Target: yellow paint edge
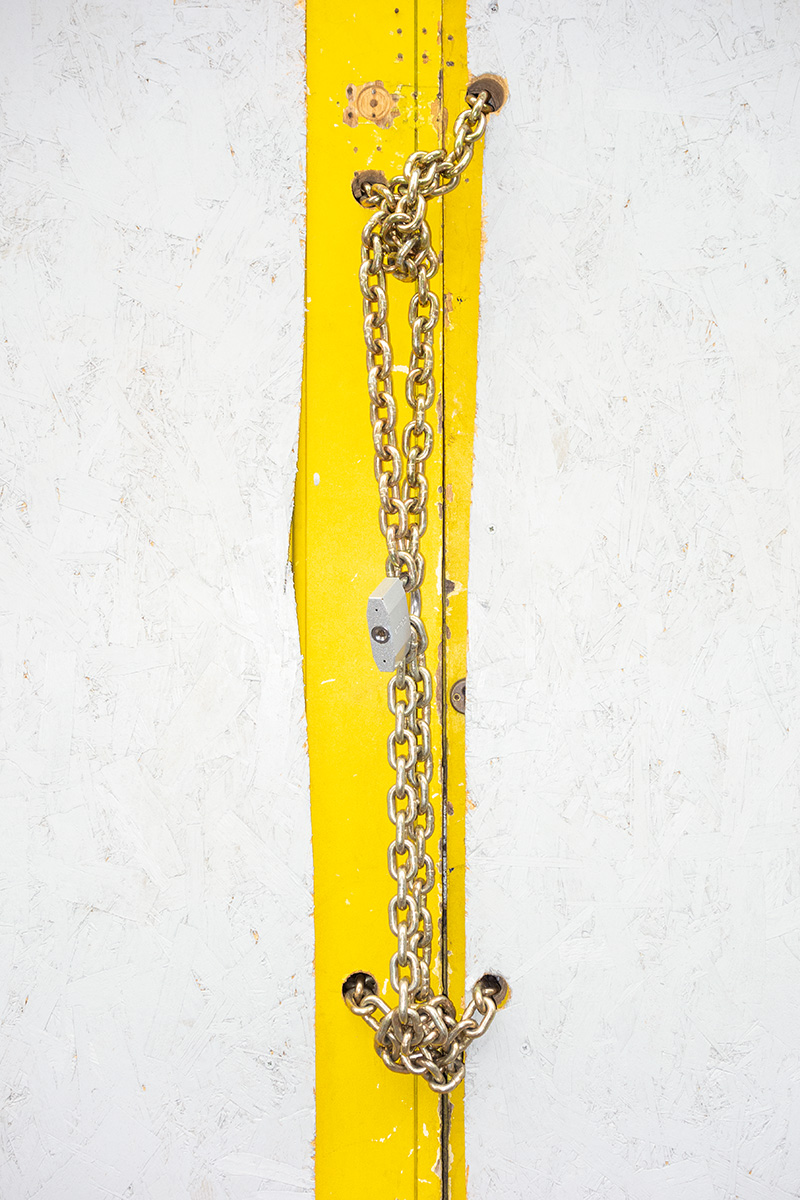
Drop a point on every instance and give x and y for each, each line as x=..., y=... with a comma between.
x=462, y=242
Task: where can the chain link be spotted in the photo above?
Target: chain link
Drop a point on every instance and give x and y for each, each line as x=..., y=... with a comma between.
x=397, y=239
x=422, y=1034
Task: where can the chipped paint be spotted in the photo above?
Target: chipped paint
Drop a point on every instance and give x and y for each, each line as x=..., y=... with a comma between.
x=439, y=118
x=371, y=102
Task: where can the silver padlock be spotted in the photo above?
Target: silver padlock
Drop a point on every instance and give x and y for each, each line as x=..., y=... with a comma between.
x=388, y=623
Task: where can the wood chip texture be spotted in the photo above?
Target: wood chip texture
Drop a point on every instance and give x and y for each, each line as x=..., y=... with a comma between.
x=155, y=867
x=633, y=723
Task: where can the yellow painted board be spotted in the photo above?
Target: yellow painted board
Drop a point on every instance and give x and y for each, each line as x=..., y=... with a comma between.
x=406, y=63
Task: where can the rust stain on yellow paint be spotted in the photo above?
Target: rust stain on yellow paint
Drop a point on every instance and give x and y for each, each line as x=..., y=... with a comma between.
x=439, y=117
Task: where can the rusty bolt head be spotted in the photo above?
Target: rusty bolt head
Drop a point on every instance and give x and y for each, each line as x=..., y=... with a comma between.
x=361, y=179
x=494, y=86
x=358, y=984
x=496, y=987
x=458, y=695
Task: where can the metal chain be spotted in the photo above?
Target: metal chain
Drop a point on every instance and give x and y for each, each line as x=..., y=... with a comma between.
x=422, y=1034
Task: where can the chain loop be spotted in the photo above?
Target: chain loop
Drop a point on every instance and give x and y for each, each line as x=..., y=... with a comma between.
x=422, y=1035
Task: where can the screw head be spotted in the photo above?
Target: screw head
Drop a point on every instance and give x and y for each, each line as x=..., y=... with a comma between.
x=380, y=635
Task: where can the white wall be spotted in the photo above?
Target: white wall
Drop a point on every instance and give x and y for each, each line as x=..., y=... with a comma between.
x=156, y=936
x=634, y=864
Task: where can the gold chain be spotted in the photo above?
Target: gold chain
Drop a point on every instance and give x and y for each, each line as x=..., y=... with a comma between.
x=422, y=1034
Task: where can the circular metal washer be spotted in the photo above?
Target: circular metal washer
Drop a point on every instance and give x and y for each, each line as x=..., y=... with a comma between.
x=361, y=179
x=458, y=695
x=494, y=86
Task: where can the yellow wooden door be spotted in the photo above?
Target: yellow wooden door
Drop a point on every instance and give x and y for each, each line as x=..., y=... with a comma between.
x=383, y=79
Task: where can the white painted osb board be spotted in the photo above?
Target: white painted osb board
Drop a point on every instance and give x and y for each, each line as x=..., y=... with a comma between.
x=155, y=912
x=634, y=865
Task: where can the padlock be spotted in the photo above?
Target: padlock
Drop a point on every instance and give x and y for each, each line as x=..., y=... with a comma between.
x=388, y=624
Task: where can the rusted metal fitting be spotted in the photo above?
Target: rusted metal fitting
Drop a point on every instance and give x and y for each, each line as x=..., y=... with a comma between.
x=358, y=984
x=496, y=987
x=495, y=88
x=458, y=695
x=361, y=179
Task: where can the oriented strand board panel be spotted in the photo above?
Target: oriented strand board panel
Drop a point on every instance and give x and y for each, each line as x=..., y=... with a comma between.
x=380, y=1132
x=155, y=914
x=633, y=726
